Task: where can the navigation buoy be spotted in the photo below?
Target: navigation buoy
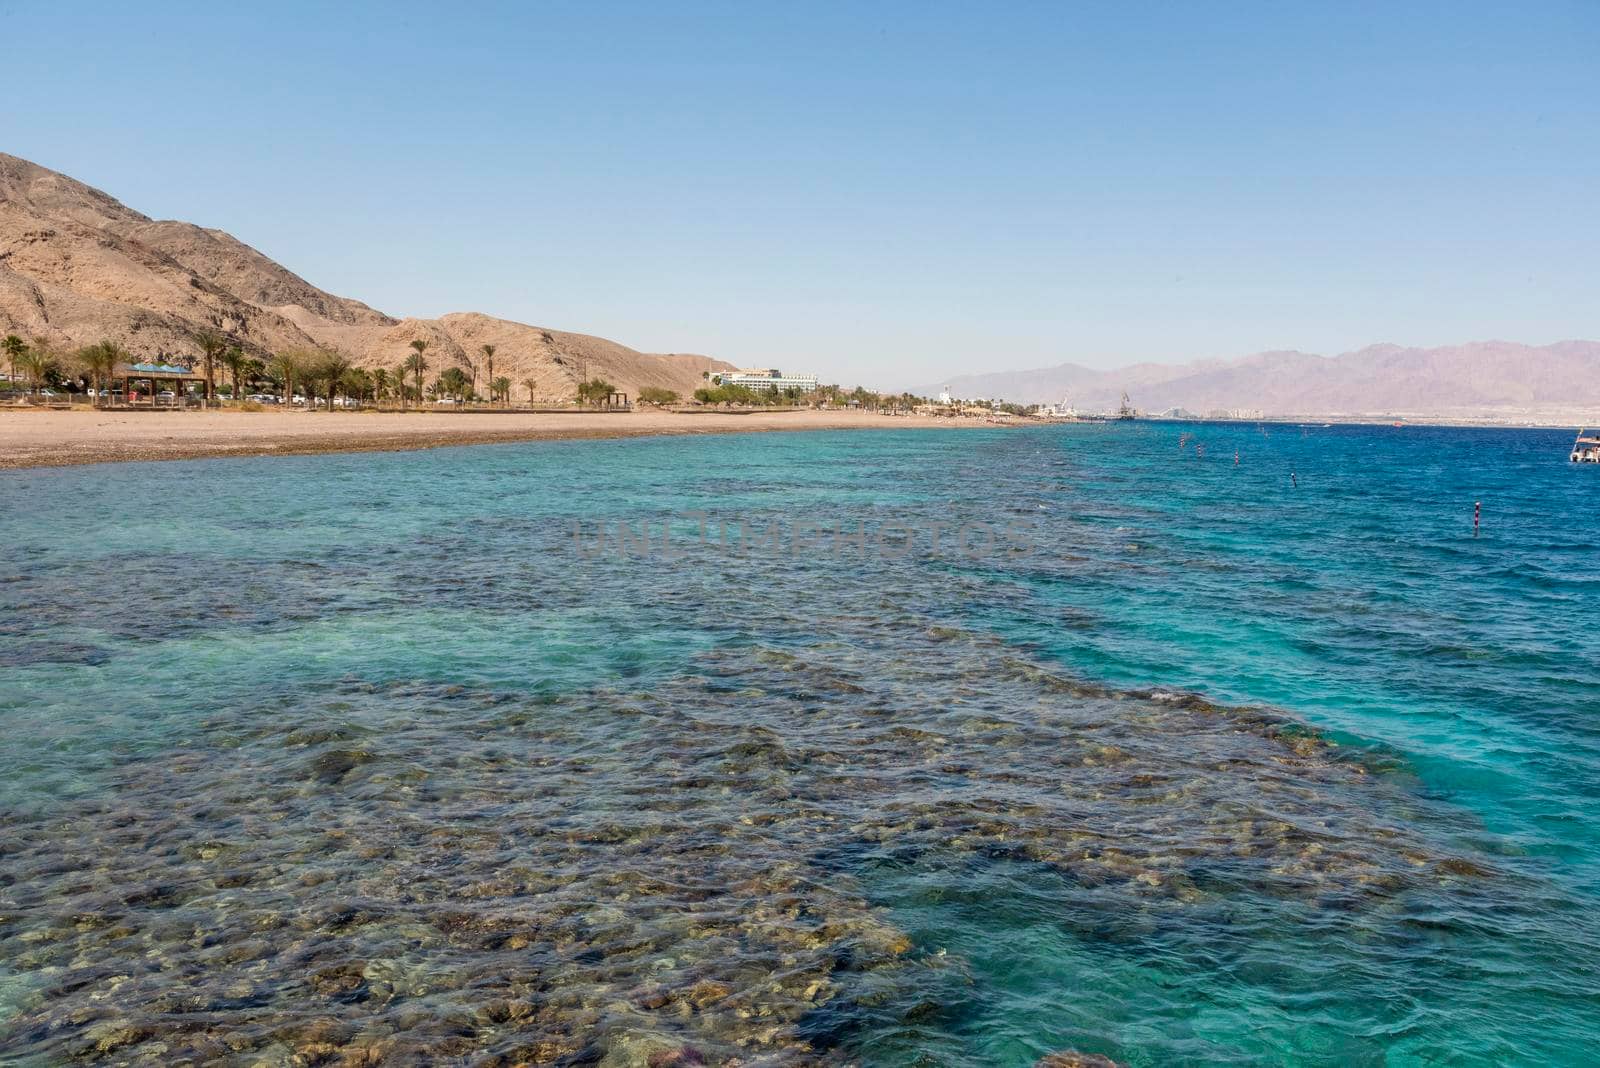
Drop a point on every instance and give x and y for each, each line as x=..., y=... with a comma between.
x=1477, y=514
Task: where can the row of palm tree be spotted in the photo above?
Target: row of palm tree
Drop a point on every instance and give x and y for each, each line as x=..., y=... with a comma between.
x=39, y=364
x=311, y=369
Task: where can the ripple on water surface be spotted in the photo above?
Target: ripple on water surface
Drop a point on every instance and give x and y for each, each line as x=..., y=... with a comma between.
x=375, y=779
x=753, y=859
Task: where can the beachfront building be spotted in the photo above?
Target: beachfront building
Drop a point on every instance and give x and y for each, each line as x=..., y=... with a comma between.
x=158, y=384
x=769, y=378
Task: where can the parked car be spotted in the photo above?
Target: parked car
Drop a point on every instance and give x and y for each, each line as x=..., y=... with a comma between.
x=262, y=398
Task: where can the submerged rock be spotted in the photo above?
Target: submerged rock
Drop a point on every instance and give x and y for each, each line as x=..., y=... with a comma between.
x=1074, y=1059
x=664, y=878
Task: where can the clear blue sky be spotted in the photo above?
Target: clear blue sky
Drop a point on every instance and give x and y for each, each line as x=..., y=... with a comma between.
x=889, y=193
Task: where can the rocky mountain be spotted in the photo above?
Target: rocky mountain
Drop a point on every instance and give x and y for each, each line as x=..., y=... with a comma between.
x=1484, y=379
x=77, y=266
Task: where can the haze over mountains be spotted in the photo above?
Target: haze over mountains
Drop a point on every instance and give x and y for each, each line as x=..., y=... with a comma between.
x=77, y=266
x=1480, y=380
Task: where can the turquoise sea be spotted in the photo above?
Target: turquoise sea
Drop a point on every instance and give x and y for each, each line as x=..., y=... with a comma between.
x=1235, y=746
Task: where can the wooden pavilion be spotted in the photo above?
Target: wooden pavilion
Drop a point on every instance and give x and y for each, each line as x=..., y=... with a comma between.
x=143, y=382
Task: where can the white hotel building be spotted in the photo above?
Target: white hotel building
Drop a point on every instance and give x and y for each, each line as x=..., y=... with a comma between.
x=768, y=378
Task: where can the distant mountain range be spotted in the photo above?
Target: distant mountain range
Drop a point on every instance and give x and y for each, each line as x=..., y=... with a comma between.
x=77, y=266
x=1498, y=380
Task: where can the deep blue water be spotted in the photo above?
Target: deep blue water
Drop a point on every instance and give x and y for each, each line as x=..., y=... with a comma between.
x=1251, y=753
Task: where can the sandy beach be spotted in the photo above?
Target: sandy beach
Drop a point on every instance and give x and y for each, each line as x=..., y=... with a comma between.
x=32, y=438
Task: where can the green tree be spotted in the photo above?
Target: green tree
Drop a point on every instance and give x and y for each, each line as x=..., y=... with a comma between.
x=595, y=391
x=380, y=384
x=330, y=369
x=234, y=359
x=730, y=395
x=212, y=345
x=471, y=389
x=398, y=374
x=100, y=362
x=532, y=386
x=290, y=367
x=37, y=365
x=501, y=388
x=453, y=382
x=358, y=382
x=488, y=370
x=417, y=363
x=254, y=368
x=657, y=396
x=14, y=347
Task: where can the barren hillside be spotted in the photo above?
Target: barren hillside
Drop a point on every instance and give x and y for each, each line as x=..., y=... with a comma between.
x=77, y=266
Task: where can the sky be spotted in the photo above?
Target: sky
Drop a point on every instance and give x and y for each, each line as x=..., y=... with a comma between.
x=886, y=193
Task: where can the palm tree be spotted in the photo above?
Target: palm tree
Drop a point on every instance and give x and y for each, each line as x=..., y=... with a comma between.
x=37, y=366
x=399, y=377
x=234, y=359
x=488, y=368
x=417, y=363
x=466, y=361
x=253, y=369
x=501, y=387
x=100, y=361
x=212, y=344
x=530, y=385
x=332, y=367
x=291, y=365
x=358, y=382
x=14, y=347
x=453, y=382
x=380, y=384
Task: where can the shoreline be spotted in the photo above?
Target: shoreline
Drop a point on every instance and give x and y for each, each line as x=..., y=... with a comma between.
x=54, y=438
x=41, y=438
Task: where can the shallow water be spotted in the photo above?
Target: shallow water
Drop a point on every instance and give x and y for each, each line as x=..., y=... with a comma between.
x=368, y=757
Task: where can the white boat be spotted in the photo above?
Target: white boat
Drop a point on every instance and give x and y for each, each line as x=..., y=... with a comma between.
x=1586, y=450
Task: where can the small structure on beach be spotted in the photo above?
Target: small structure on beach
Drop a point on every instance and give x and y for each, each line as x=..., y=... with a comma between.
x=1586, y=450
x=153, y=377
